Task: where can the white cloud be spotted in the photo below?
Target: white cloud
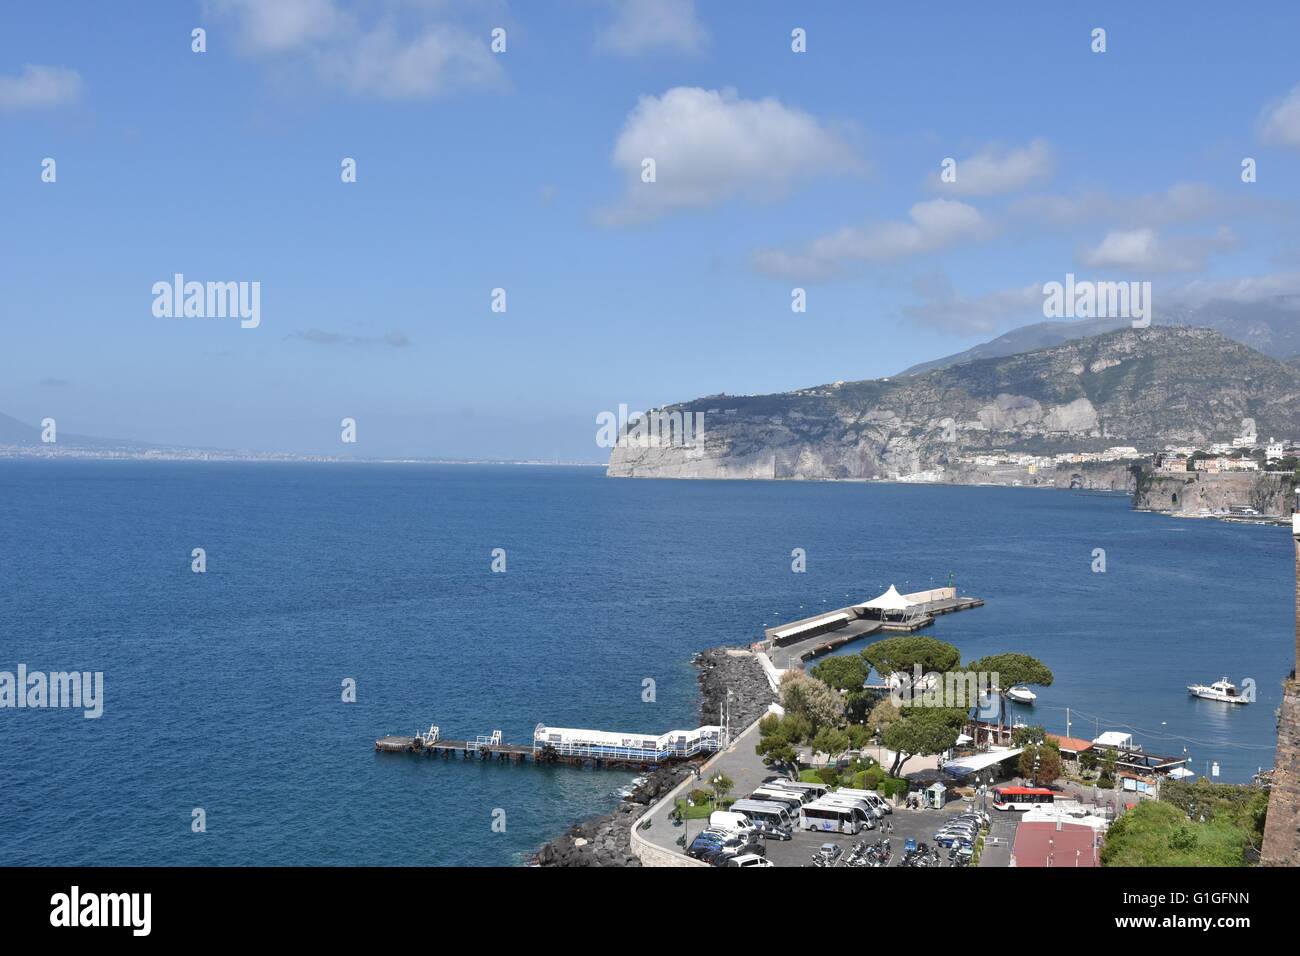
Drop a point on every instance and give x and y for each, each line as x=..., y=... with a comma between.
x=1242, y=289
x=993, y=170
x=943, y=307
x=392, y=65
x=408, y=52
x=39, y=86
x=1144, y=250
x=282, y=25
x=710, y=145
x=1280, y=120
x=931, y=225
x=653, y=26
x=1181, y=202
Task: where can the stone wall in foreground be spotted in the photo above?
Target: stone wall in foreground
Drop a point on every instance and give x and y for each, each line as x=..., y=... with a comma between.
x=1282, y=828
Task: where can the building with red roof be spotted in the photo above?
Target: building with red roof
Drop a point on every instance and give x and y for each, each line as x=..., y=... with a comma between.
x=1056, y=844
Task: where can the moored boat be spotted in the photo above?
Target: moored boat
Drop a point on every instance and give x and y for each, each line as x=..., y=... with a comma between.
x=1222, y=690
x=1021, y=695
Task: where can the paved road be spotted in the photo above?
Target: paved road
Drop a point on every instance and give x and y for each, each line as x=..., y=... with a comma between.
x=739, y=762
x=1001, y=837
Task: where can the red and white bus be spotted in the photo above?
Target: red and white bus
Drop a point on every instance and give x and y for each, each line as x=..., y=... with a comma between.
x=1021, y=798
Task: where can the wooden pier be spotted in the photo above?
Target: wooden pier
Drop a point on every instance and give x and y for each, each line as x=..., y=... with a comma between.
x=513, y=753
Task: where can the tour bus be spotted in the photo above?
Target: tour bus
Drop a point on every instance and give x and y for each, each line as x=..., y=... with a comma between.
x=816, y=790
x=765, y=811
x=857, y=803
x=832, y=818
x=793, y=798
x=1021, y=798
x=873, y=798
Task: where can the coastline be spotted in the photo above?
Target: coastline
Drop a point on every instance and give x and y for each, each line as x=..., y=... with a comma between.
x=606, y=839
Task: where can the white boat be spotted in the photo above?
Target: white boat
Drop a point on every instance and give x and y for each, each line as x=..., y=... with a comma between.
x=1222, y=689
x=1021, y=695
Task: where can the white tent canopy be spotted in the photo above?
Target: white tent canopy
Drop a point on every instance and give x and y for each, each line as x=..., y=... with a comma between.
x=891, y=600
x=1180, y=773
x=965, y=766
x=793, y=629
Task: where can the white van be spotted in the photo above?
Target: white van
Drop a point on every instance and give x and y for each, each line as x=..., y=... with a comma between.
x=733, y=822
x=854, y=803
x=815, y=790
x=873, y=798
x=833, y=818
x=765, y=811
x=792, y=798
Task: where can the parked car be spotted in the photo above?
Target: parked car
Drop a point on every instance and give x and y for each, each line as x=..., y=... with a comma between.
x=773, y=832
x=748, y=859
x=704, y=846
x=830, y=852
x=744, y=843
x=950, y=836
x=959, y=828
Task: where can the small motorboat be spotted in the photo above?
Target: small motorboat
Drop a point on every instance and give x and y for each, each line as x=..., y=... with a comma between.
x=1021, y=695
x=1222, y=690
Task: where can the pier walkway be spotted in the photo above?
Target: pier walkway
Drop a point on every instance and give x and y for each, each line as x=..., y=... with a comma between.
x=790, y=645
x=569, y=746
x=792, y=655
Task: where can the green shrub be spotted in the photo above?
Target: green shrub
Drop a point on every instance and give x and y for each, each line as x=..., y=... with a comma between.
x=828, y=775
x=893, y=787
x=1159, y=834
x=701, y=796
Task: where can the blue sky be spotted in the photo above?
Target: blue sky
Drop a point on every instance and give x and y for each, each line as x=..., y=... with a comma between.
x=520, y=170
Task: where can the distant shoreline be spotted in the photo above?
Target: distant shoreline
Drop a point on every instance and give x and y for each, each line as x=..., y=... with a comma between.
x=10, y=453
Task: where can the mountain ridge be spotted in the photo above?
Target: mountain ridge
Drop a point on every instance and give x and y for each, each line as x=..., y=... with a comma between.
x=1270, y=326
x=1130, y=387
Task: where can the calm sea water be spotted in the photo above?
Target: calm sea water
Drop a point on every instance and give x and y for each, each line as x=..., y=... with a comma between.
x=223, y=690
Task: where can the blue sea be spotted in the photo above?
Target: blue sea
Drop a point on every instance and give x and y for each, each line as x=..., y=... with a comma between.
x=224, y=691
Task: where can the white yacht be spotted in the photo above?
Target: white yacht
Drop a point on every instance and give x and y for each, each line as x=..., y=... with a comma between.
x=1021, y=695
x=1222, y=689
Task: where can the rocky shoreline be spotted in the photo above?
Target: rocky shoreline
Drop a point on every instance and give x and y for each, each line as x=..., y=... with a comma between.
x=606, y=840
x=729, y=668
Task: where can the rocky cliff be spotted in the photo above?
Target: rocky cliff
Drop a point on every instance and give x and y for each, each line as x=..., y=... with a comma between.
x=1268, y=494
x=1139, y=387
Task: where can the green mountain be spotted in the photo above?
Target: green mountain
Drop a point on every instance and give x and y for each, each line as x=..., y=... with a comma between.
x=1140, y=387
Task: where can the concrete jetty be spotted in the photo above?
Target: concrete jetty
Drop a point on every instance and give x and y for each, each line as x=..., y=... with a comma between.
x=789, y=645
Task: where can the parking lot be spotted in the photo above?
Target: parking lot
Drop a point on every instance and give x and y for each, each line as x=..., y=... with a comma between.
x=747, y=773
x=919, y=825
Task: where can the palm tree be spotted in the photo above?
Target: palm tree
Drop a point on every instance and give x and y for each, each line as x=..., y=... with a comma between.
x=722, y=785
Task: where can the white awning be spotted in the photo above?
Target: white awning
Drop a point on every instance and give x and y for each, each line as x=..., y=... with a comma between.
x=964, y=766
x=1178, y=773
x=891, y=600
x=794, y=629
